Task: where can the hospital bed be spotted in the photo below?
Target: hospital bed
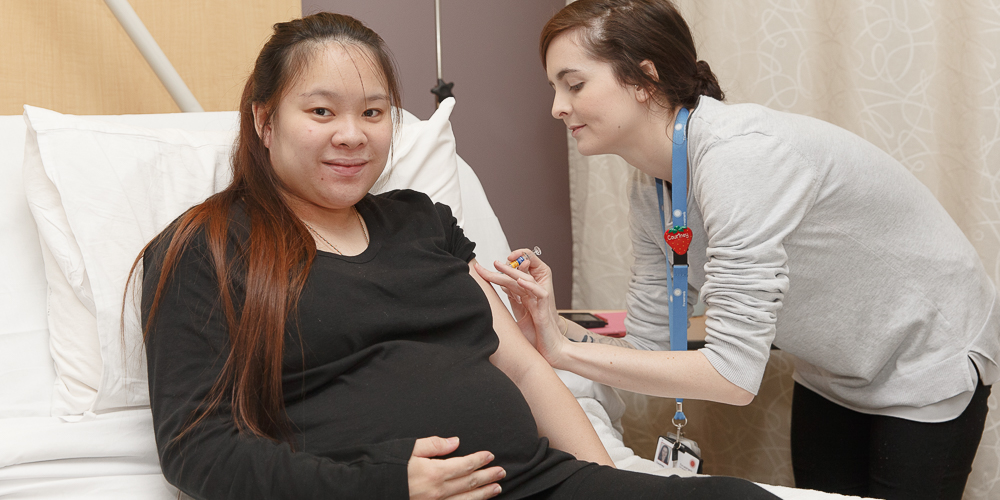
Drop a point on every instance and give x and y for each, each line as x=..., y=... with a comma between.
x=79, y=197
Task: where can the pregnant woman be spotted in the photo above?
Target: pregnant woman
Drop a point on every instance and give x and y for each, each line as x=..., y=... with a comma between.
x=306, y=339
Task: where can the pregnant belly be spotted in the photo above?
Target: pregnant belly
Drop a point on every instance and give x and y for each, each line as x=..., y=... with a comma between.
x=415, y=390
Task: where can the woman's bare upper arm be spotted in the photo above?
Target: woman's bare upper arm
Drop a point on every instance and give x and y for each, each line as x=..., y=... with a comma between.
x=515, y=355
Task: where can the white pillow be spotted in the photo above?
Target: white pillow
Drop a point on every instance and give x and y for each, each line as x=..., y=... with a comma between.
x=99, y=191
x=26, y=371
x=423, y=158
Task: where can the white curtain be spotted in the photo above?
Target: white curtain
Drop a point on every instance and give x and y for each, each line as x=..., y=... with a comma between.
x=918, y=78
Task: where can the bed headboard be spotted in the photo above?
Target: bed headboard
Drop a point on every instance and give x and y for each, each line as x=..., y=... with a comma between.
x=75, y=57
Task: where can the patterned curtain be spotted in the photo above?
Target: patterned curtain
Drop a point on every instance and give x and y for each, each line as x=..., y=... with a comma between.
x=918, y=78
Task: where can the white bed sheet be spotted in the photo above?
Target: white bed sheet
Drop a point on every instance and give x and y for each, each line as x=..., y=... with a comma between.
x=109, y=456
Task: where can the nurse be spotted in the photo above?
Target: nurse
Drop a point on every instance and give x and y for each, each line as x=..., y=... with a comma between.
x=801, y=235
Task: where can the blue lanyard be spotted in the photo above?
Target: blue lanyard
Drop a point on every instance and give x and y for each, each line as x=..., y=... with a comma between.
x=677, y=272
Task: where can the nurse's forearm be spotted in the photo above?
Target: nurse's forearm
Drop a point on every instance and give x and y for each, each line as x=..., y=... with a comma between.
x=683, y=374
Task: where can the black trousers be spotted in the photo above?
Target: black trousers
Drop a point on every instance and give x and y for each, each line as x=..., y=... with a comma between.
x=595, y=482
x=838, y=450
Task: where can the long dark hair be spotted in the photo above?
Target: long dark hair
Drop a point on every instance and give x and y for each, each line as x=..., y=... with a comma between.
x=624, y=33
x=279, y=251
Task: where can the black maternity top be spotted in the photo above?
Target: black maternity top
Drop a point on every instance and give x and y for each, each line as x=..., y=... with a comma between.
x=395, y=346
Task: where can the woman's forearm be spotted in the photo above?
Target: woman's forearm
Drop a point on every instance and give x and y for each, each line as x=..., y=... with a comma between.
x=680, y=374
x=558, y=415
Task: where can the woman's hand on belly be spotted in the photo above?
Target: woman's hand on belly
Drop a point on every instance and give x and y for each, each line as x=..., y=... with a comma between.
x=459, y=478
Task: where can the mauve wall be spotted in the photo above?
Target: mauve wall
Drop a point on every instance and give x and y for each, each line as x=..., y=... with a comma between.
x=501, y=119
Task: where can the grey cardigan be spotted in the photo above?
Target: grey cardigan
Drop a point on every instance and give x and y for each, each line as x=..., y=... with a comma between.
x=807, y=236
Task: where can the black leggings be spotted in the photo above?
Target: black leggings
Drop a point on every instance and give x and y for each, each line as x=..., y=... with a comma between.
x=600, y=482
x=842, y=451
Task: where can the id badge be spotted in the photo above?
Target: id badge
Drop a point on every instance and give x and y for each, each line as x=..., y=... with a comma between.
x=688, y=454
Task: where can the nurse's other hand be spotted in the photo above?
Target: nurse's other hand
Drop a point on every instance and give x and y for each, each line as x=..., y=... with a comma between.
x=458, y=478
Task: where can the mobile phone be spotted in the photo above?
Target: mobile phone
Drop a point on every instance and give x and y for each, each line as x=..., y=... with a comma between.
x=585, y=320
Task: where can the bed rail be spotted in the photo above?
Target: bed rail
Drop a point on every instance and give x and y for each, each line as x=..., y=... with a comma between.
x=157, y=60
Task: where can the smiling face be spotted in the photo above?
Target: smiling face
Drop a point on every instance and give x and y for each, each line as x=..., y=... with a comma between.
x=601, y=113
x=329, y=135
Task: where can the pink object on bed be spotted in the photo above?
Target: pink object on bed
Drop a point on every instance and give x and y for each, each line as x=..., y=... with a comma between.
x=616, y=324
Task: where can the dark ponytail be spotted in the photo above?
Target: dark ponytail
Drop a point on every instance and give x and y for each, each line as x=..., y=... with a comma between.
x=708, y=84
x=624, y=33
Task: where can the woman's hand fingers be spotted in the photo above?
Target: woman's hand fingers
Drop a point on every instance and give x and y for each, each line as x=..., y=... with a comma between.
x=510, y=273
x=534, y=296
x=504, y=275
x=535, y=268
x=532, y=264
x=427, y=480
x=482, y=484
x=458, y=477
x=539, y=293
x=506, y=278
x=434, y=446
x=537, y=301
x=522, y=259
x=515, y=299
x=512, y=279
x=506, y=283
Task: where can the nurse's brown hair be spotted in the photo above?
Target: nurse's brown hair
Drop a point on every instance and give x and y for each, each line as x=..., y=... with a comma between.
x=624, y=33
x=273, y=262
